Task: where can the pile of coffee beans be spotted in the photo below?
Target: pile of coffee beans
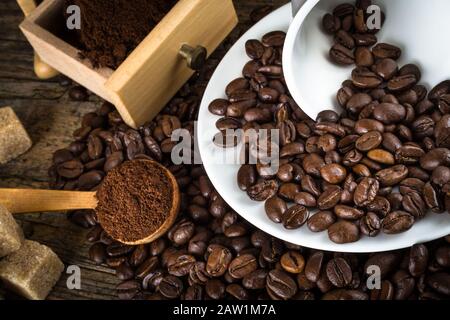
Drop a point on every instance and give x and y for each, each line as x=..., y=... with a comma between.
x=379, y=166
x=212, y=253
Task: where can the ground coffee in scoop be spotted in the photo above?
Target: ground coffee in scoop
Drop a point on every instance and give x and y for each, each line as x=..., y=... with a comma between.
x=134, y=201
x=112, y=29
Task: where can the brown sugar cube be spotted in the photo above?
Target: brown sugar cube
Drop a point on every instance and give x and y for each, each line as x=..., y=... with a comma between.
x=32, y=271
x=14, y=139
x=11, y=235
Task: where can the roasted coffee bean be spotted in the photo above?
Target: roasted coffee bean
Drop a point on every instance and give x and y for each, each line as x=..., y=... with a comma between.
x=327, y=116
x=339, y=272
x=312, y=164
x=305, y=199
x=327, y=143
x=352, y=158
x=343, y=232
x=418, y=173
x=331, y=24
x=347, y=144
x=336, y=129
x=246, y=177
x=275, y=208
x=138, y=256
x=411, y=185
x=333, y=173
x=332, y=157
x=182, y=232
x=386, y=292
x=181, y=265
x=118, y=249
x=409, y=154
x=361, y=170
x=432, y=198
x=402, y=82
x=124, y=272
x=274, y=39
x=370, y=224
x=344, y=38
x=242, y=266
x=170, y=287
x=293, y=262
x=280, y=285
x=147, y=267
x=347, y=212
x=344, y=95
x=386, y=68
x=295, y=217
x=321, y=221
x=369, y=141
x=97, y=253
x=255, y=280
x=94, y=234
x=440, y=176
x=389, y=113
x=384, y=50
x=363, y=57
x=414, y=204
x=365, y=79
x=360, y=21
x=423, y=127
x=392, y=175
x=194, y=293
x=329, y=198
x=435, y=158
x=343, y=10
x=442, y=130
x=366, y=191
x=397, y=222
x=70, y=169
x=292, y=149
x=237, y=292
x=380, y=205
x=324, y=284
x=218, y=107
x=128, y=290
x=218, y=261
x=263, y=190
x=386, y=261
x=342, y=55
x=268, y=95
x=442, y=256
x=254, y=49
x=418, y=260
x=366, y=125
x=314, y=266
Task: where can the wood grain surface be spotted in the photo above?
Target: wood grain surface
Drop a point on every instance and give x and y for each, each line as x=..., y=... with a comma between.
x=50, y=117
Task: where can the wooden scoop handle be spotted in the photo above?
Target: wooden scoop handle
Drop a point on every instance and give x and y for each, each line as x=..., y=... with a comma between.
x=30, y=200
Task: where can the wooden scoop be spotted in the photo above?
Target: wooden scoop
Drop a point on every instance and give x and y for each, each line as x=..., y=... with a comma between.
x=31, y=201
x=42, y=70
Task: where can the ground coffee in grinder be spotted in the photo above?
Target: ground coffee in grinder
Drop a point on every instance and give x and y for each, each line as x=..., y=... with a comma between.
x=112, y=29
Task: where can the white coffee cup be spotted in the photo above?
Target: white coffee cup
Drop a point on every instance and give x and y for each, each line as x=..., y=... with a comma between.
x=419, y=27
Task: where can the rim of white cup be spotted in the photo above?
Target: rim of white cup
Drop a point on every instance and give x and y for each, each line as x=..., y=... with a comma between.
x=288, y=50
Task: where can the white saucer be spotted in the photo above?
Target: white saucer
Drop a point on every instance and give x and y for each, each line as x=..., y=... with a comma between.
x=224, y=177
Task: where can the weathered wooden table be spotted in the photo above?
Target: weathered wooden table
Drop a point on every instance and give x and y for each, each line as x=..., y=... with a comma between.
x=50, y=117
